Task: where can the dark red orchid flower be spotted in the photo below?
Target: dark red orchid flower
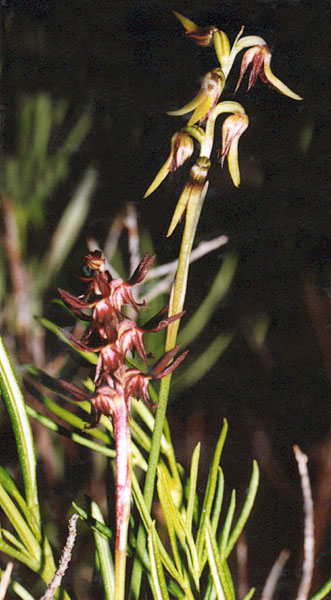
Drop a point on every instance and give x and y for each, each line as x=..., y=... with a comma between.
x=136, y=382
x=130, y=335
x=120, y=291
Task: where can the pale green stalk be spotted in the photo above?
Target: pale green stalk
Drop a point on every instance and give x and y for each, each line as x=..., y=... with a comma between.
x=176, y=305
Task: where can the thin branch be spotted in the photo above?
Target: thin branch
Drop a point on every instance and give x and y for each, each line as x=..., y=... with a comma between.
x=113, y=237
x=274, y=575
x=131, y=224
x=241, y=552
x=162, y=287
x=202, y=249
x=308, y=507
x=18, y=273
x=5, y=580
x=64, y=560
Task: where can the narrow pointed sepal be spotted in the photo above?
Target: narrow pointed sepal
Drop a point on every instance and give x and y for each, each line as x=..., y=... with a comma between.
x=189, y=106
x=162, y=174
x=187, y=23
x=180, y=209
x=277, y=83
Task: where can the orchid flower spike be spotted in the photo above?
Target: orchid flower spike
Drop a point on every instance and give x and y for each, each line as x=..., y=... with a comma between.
x=233, y=127
x=260, y=57
x=181, y=148
x=210, y=91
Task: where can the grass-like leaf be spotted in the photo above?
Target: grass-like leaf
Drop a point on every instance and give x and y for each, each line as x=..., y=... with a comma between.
x=182, y=531
x=30, y=543
x=159, y=585
x=192, y=486
x=14, y=401
x=220, y=572
x=214, y=561
x=227, y=526
x=75, y=437
x=11, y=488
x=103, y=552
x=210, y=494
x=68, y=228
x=147, y=521
x=322, y=592
x=171, y=520
x=218, y=501
x=197, y=369
x=249, y=594
x=246, y=509
x=88, y=356
x=95, y=522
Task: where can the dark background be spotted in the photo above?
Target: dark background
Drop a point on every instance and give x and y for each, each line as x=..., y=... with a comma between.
x=128, y=63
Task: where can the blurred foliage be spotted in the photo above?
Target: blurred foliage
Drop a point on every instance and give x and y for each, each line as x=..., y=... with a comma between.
x=29, y=179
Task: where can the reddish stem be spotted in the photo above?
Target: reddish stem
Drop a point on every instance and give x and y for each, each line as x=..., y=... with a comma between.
x=123, y=493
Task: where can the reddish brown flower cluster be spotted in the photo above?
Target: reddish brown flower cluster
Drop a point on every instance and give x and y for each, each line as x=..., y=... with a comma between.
x=114, y=335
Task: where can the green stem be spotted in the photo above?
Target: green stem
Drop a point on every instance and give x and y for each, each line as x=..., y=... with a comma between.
x=176, y=305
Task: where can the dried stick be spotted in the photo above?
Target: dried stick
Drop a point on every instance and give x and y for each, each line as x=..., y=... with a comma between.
x=113, y=237
x=241, y=552
x=202, y=249
x=64, y=560
x=18, y=273
x=161, y=287
x=5, y=580
x=274, y=575
x=308, y=507
x=131, y=224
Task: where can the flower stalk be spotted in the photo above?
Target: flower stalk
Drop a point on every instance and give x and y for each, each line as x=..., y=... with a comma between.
x=206, y=109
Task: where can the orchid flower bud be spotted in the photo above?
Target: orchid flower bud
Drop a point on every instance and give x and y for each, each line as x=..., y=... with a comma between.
x=201, y=35
x=194, y=187
x=210, y=91
x=260, y=57
x=181, y=148
x=233, y=127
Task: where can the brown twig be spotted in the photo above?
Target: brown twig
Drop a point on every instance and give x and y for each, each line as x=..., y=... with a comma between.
x=131, y=224
x=18, y=273
x=64, y=560
x=202, y=249
x=115, y=231
x=241, y=552
x=308, y=507
x=274, y=575
x=5, y=580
